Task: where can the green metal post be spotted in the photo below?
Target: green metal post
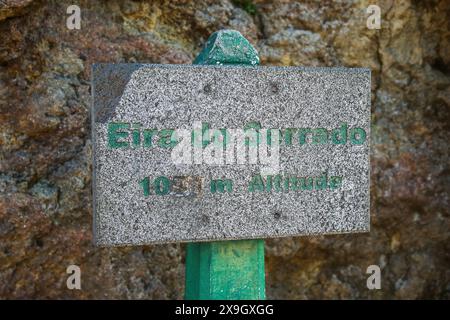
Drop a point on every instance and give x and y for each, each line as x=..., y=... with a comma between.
x=226, y=269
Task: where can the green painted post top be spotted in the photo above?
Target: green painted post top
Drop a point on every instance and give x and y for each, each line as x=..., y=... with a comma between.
x=227, y=47
x=230, y=270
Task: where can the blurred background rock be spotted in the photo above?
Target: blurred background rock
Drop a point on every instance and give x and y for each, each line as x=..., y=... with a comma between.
x=45, y=169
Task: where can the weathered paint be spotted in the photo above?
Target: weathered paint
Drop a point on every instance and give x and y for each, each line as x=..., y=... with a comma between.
x=225, y=270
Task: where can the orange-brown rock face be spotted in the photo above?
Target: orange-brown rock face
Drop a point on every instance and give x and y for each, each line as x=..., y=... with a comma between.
x=45, y=146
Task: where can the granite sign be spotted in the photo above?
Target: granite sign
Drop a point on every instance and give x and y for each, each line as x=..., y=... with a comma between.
x=202, y=153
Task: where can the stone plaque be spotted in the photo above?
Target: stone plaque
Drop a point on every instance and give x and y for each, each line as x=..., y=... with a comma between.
x=202, y=153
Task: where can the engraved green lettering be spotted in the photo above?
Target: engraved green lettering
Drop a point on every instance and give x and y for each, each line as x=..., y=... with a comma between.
x=165, y=139
x=145, y=184
x=162, y=185
x=115, y=133
x=335, y=182
x=320, y=136
x=220, y=185
x=357, y=132
x=257, y=184
x=339, y=136
x=302, y=132
x=148, y=135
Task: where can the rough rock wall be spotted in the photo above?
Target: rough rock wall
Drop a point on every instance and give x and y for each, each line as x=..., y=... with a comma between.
x=45, y=169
